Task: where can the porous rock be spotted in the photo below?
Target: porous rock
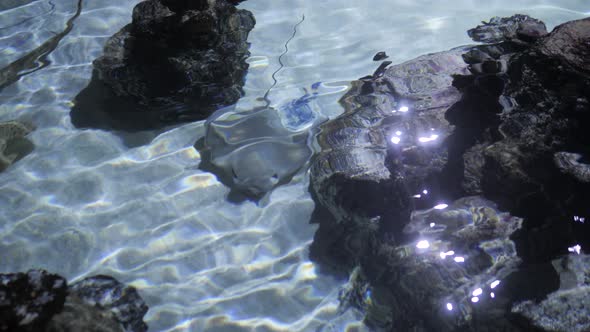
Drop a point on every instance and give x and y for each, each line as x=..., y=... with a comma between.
x=13, y=142
x=29, y=300
x=41, y=301
x=177, y=61
x=510, y=119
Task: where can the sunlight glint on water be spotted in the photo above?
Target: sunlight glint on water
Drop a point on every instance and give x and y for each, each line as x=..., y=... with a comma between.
x=83, y=204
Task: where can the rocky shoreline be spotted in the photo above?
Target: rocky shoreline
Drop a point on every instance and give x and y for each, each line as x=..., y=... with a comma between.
x=406, y=177
x=176, y=62
x=41, y=301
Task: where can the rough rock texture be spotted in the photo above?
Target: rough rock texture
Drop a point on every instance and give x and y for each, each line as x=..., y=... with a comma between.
x=13, y=143
x=505, y=121
x=29, y=300
x=39, y=301
x=537, y=165
x=177, y=61
x=388, y=143
x=105, y=297
x=567, y=309
x=455, y=252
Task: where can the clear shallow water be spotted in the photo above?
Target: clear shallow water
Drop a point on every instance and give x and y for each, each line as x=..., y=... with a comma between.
x=83, y=203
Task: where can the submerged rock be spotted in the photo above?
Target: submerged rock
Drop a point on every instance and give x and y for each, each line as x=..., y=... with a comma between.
x=13, y=142
x=29, y=300
x=177, y=61
x=505, y=121
x=567, y=309
x=449, y=274
x=388, y=145
x=40, y=301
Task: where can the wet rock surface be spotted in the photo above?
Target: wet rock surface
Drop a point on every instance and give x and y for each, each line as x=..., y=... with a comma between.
x=178, y=61
x=566, y=309
x=503, y=121
x=40, y=301
x=14, y=144
x=29, y=300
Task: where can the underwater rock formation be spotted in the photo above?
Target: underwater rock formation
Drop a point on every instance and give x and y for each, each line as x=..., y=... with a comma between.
x=568, y=308
x=13, y=142
x=444, y=277
x=504, y=121
x=36, y=59
x=29, y=300
x=178, y=61
x=40, y=301
x=536, y=163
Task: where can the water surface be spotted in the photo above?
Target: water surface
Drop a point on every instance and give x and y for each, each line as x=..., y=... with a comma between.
x=84, y=203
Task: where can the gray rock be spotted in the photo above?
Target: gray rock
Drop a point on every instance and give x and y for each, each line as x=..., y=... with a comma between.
x=567, y=309
x=511, y=121
x=29, y=300
x=13, y=142
x=39, y=301
x=254, y=151
x=170, y=65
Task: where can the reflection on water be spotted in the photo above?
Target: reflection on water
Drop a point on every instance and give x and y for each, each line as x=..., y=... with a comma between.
x=83, y=203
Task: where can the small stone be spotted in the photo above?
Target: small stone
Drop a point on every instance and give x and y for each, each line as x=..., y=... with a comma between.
x=380, y=56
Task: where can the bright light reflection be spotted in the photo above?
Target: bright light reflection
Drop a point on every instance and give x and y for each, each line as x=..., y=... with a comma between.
x=579, y=219
x=395, y=140
x=422, y=244
x=494, y=284
x=428, y=139
x=492, y=295
x=404, y=109
x=449, y=306
x=425, y=192
x=477, y=292
x=577, y=248
x=398, y=133
x=475, y=299
x=417, y=196
x=444, y=255
x=441, y=206
x=432, y=224
x=459, y=259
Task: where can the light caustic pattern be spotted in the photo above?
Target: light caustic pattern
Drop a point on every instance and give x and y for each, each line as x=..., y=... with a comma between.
x=82, y=203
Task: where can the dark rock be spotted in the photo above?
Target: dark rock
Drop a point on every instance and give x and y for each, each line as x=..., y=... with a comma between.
x=39, y=301
x=537, y=166
x=177, y=61
x=429, y=284
x=509, y=123
x=29, y=300
x=388, y=144
x=380, y=56
x=517, y=27
x=13, y=142
x=116, y=306
x=567, y=309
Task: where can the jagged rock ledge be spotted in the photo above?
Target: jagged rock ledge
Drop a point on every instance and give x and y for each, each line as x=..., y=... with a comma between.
x=14, y=145
x=41, y=301
x=503, y=123
x=178, y=61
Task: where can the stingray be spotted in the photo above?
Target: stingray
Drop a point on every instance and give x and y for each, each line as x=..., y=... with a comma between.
x=254, y=151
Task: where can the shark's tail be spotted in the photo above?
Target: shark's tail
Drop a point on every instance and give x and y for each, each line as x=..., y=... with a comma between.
x=281, y=61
